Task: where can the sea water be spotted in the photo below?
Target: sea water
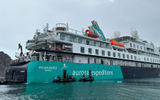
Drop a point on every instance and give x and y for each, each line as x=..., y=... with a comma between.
x=133, y=89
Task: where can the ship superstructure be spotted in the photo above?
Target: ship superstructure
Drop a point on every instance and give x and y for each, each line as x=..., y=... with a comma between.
x=90, y=44
x=136, y=57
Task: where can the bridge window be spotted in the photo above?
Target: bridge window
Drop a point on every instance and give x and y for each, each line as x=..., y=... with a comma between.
x=137, y=46
x=94, y=43
x=141, y=47
x=84, y=41
x=98, y=44
x=119, y=55
x=127, y=56
x=71, y=38
x=104, y=45
x=79, y=40
x=134, y=46
x=134, y=57
x=130, y=44
x=62, y=36
x=109, y=53
x=91, y=42
x=114, y=54
x=147, y=59
x=87, y=42
x=103, y=52
x=96, y=51
x=82, y=49
x=90, y=50
x=131, y=56
x=124, y=56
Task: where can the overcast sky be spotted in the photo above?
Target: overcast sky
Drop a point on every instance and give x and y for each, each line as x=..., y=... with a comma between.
x=20, y=18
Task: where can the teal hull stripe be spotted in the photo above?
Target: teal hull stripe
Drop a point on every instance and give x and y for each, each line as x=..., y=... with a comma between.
x=46, y=72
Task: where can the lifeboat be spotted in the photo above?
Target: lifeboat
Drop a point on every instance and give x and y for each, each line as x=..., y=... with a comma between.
x=86, y=79
x=91, y=34
x=64, y=80
x=114, y=42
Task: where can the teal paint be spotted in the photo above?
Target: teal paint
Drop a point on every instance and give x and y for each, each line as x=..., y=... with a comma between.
x=46, y=72
x=99, y=31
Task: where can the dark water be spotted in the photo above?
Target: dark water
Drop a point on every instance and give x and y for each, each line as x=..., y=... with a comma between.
x=139, y=89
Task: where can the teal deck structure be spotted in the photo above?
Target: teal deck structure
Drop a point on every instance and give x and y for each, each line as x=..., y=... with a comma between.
x=46, y=72
x=99, y=31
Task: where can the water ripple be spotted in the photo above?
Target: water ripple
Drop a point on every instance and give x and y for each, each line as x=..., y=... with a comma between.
x=135, y=89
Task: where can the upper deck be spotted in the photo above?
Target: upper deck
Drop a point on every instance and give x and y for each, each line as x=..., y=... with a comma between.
x=63, y=38
x=139, y=46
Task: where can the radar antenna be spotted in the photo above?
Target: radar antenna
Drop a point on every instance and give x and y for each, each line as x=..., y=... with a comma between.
x=116, y=34
x=134, y=33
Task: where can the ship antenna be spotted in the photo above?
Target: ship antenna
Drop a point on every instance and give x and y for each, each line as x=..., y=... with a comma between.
x=134, y=33
x=67, y=27
x=83, y=31
x=47, y=26
x=116, y=34
x=21, y=50
x=37, y=32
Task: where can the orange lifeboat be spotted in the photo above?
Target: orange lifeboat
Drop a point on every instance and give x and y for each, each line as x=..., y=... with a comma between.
x=91, y=34
x=114, y=42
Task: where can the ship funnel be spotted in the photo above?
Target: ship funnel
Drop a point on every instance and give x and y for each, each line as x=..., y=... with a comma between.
x=96, y=30
x=95, y=23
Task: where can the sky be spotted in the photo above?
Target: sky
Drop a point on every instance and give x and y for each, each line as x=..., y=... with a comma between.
x=19, y=19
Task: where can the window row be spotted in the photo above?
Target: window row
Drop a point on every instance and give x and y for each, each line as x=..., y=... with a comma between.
x=81, y=40
x=136, y=46
x=103, y=53
x=151, y=60
x=115, y=54
x=120, y=62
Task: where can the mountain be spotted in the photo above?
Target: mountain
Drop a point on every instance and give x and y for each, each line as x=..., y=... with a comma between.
x=5, y=60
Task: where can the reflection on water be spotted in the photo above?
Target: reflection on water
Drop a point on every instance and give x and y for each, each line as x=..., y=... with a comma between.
x=135, y=89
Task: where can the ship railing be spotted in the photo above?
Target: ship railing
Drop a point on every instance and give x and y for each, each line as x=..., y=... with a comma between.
x=61, y=25
x=75, y=31
x=65, y=27
x=149, y=45
x=25, y=56
x=31, y=41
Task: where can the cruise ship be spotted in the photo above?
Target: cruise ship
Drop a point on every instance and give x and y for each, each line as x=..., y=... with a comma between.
x=62, y=51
